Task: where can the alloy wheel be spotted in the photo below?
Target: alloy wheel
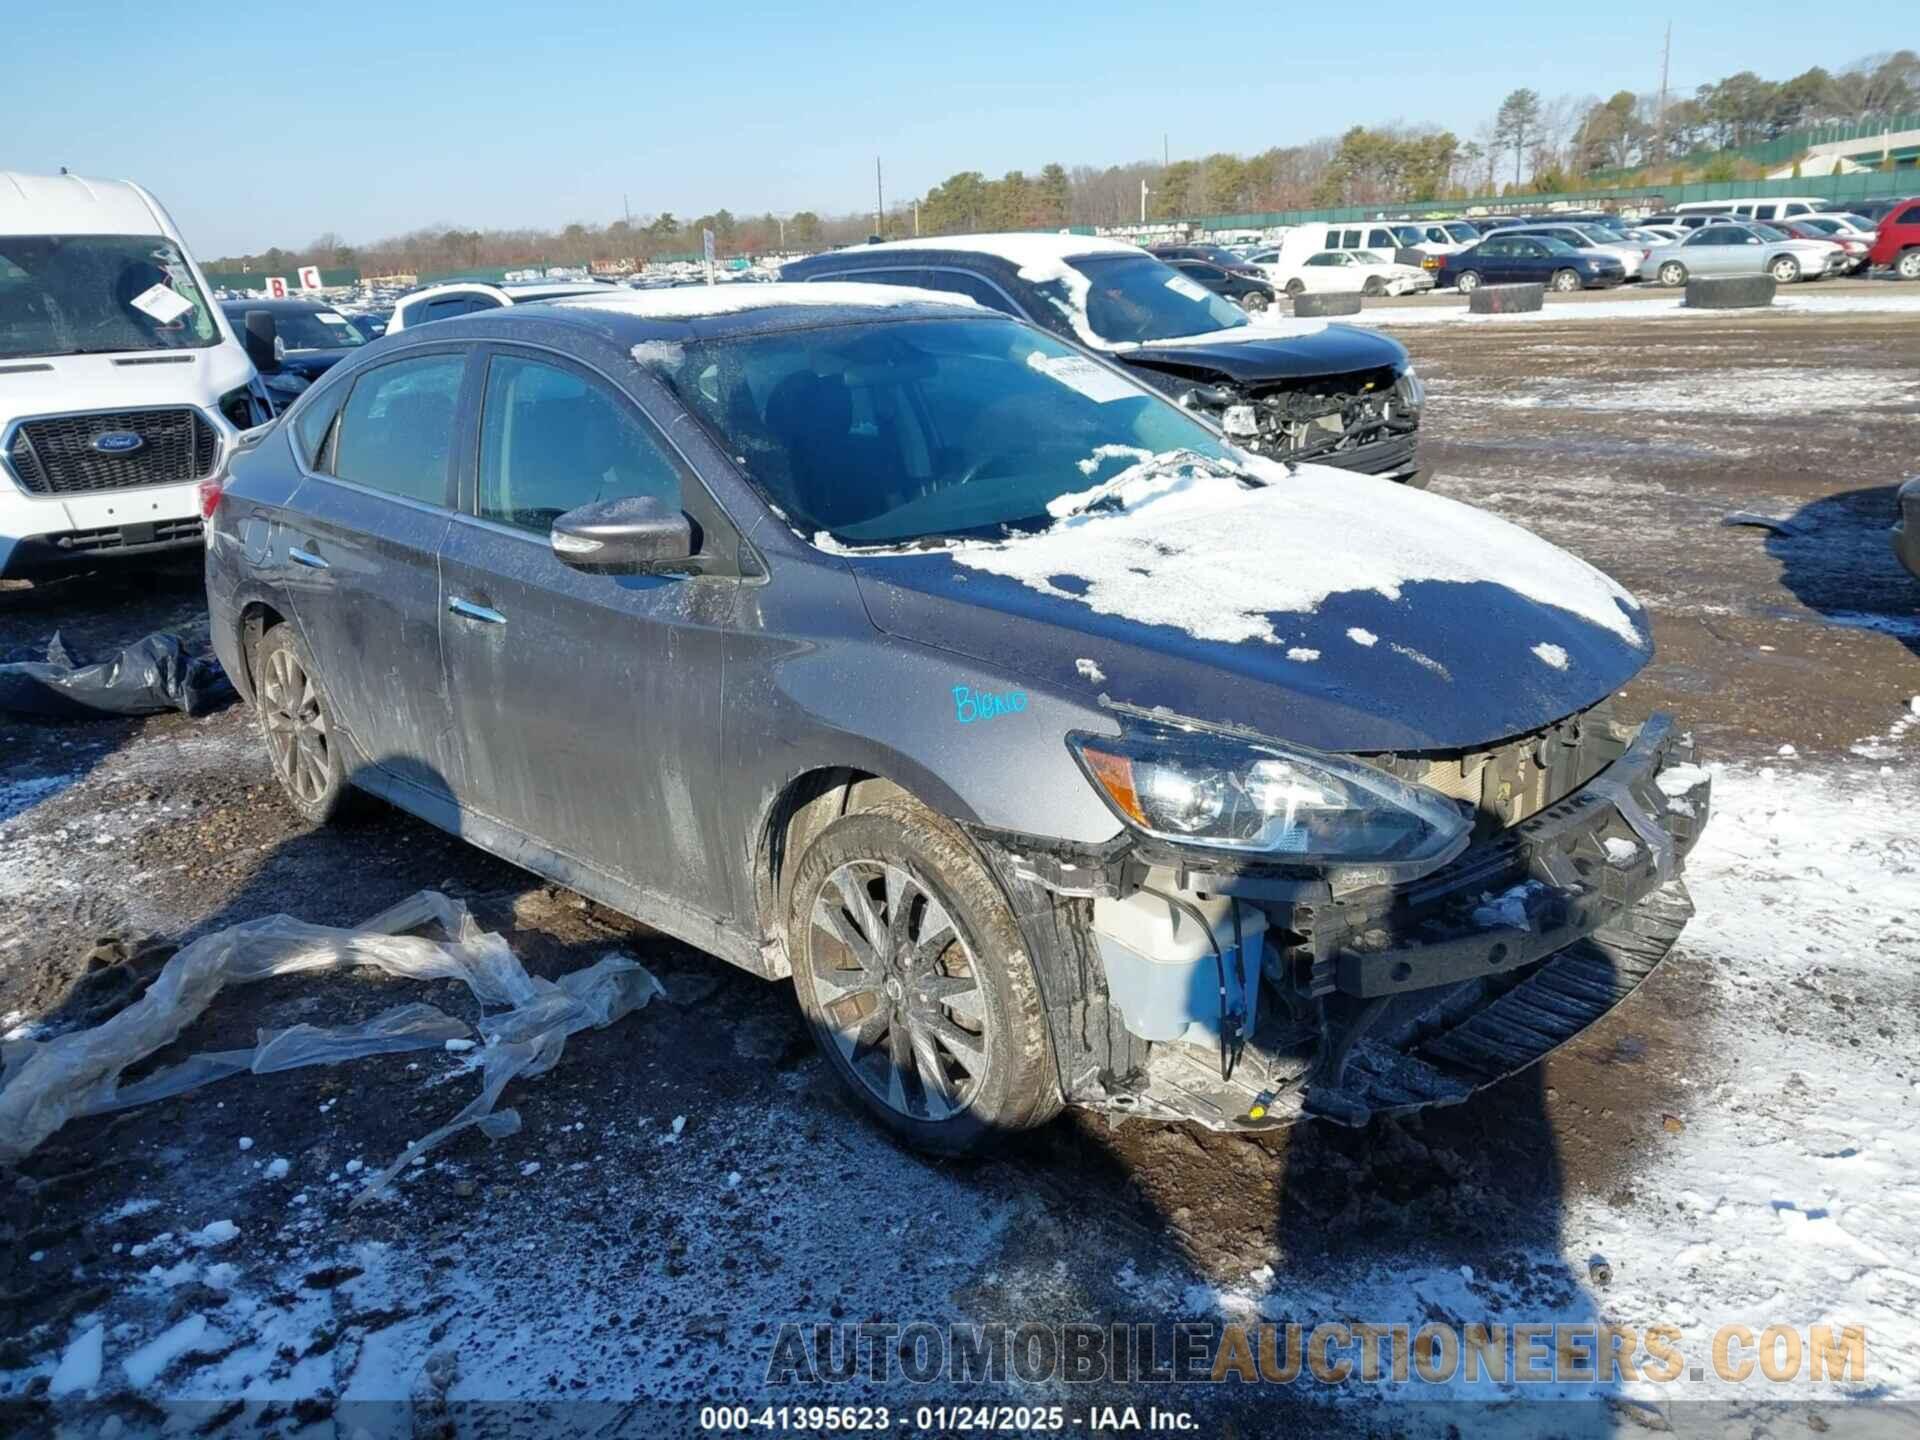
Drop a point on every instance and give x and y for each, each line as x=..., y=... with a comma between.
x=296, y=726
x=1909, y=266
x=1468, y=283
x=897, y=985
x=1672, y=273
x=1785, y=271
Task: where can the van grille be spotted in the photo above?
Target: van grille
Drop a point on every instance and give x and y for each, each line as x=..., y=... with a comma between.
x=56, y=455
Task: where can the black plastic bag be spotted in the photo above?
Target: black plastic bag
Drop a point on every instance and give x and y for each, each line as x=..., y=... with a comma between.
x=149, y=677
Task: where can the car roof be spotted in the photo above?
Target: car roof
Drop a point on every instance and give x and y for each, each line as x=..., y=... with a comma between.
x=73, y=205
x=1019, y=248
x=628, y=317
x=289, y=304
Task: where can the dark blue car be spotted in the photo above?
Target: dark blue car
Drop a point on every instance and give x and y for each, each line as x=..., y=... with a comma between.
x=1058, y=750
x=1529, y=260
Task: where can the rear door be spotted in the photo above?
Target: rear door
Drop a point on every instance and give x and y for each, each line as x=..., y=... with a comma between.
x=361, y=538
x=588, y=706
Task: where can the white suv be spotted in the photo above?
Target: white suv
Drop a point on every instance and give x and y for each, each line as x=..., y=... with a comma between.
x=121, y=386
x=463, y=297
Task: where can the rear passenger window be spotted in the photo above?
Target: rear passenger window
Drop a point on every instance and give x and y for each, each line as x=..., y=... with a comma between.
x=1380, y=238
x=396, y=430
x=957, y=282
x=552, y=440
x=310, y=429
x=1909, y=216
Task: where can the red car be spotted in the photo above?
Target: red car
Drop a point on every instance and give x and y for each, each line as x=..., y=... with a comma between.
x=1898, y=241
x=1853, y=247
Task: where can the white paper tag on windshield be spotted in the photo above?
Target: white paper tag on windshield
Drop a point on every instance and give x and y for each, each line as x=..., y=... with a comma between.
x=162, y=304
x=1181, y=285
x=1076, y=372
x=327, y=317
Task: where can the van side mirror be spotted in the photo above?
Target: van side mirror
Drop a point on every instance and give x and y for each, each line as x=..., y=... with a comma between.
x=262, y=341
x=639, y=535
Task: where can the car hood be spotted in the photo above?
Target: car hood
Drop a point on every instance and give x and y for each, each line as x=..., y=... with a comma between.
x=1253, y=353
x=1326, y=608
x=314, y=363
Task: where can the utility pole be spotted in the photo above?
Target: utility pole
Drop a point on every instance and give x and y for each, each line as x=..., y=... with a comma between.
x=626, y=209
x=1164, y=152
x=916, y=219
x=1143, y=202
x=1660, y=115
x=879, y=200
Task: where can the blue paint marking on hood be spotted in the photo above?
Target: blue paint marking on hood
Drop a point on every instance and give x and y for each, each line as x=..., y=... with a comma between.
x=1453, y=665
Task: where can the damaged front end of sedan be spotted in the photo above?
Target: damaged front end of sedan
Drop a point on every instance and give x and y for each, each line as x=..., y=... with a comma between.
x=1281, y=934
x=1368, y=421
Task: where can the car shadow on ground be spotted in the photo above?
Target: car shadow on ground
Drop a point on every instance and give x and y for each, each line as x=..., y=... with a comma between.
x=1836, y=559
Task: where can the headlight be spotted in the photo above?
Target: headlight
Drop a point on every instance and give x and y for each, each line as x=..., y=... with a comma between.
x=1409, y=390
x=1293, y=805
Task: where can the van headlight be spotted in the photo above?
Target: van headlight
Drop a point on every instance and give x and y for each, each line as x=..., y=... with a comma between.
x=1289, y=804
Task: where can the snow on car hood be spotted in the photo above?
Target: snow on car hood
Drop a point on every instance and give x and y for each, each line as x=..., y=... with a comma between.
x=1326, y=607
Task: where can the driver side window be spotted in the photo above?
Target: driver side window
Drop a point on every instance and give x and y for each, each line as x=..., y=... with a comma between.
x=552, y=440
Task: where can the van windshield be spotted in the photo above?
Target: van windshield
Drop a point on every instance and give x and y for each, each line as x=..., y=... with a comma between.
x=898, y=432
x=98, y=294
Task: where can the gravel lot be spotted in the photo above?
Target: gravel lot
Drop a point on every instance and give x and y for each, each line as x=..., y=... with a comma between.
x=1739, y=1142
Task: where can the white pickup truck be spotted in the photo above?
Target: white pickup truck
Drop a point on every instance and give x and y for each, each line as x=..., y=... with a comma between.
x=121, y=385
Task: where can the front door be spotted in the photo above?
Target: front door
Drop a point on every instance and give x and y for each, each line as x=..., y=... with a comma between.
x=358, y=546
x=588, y=706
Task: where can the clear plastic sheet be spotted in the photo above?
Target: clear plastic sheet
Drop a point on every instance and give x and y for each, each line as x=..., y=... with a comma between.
x=525, y=1021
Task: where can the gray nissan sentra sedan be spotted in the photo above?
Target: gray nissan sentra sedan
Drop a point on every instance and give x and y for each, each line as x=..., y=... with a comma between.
x=1058, y=751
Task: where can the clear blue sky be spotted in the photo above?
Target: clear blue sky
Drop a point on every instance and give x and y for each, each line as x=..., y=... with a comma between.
x=385, y=117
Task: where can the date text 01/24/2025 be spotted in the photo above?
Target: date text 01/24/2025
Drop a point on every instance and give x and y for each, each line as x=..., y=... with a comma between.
x=944, y=1419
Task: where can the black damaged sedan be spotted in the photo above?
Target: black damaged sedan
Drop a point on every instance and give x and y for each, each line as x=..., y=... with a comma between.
x=1057, y=751
x=1338, y=395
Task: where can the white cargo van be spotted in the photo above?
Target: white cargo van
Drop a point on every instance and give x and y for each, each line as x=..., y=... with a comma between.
x=1756, y=207
x=121, y=384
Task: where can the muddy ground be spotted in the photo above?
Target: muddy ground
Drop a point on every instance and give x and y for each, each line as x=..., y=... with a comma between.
x=688, y=1179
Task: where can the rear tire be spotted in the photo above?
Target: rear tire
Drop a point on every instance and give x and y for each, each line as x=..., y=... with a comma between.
x=910, y=969
x=1296, y=288
x=1907, y=267
x=1564, y=282
x=297, y=723
x=1673, y=274
x=1785, y=270
x=1254, y=303
x=1468, y=282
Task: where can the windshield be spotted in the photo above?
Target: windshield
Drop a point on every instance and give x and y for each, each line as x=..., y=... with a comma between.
x=311, y=329
x=1408, y=234
x=1465, y=234
x=901, y=431
x=1132, y=299
x=1770, y=232
x=95, y=294
x=1555, y=247
x=1365, y=257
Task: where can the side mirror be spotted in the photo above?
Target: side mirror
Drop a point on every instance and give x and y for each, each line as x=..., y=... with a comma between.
x=262, y=340
x=634, y=536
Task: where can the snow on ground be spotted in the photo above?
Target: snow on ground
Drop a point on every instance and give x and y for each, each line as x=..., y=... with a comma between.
x=1783, y=390
x=1789, y=1191
x=1897, y=301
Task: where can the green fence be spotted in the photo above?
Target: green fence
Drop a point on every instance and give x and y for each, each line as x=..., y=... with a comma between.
x=257, y=279
x=1836, y=188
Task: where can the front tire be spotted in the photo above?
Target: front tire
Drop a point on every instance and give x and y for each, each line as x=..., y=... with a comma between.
x=1468, y=282
x=1565, y=282
x=1673, y=274
x=1785, y=270
x=1907, y=267
x=1296, y=288
x=910, y=969
x=1254, y=303
x=297, y=724
x=1374, y=287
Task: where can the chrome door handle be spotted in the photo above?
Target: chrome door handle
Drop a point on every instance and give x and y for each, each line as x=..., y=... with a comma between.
x=306, y=558
x=467, y=610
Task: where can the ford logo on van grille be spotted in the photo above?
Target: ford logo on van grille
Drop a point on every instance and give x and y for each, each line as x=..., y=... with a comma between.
x=118, y=442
